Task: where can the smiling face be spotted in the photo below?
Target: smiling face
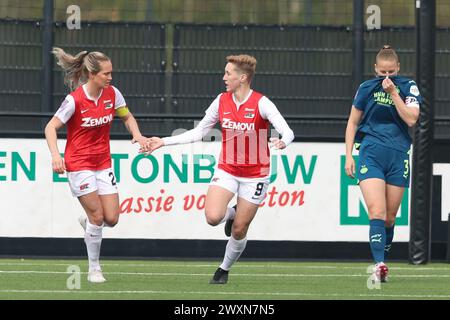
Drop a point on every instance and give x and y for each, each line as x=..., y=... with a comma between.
x=387, y=67
x=233, y=77
x=103, y=78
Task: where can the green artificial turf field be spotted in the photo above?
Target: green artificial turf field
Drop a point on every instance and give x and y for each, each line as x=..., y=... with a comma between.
x=249, y=280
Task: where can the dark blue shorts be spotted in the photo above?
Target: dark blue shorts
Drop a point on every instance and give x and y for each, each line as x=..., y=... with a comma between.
x=378, y=161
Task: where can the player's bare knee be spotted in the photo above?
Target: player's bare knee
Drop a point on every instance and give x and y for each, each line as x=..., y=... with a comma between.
x=212, y=218
x=111, y=222
x=239, y=231
x=96, y=220
x=378, y=215
x=389, y=221
x=96, y=217
x=213, y=221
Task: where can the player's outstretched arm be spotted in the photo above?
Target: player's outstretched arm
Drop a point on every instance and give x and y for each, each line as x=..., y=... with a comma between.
x=151, y=144
x=131, y=125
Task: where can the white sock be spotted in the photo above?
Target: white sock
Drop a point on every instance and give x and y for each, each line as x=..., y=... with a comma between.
x=233, y=251
x=229, y=214
x=93, y=240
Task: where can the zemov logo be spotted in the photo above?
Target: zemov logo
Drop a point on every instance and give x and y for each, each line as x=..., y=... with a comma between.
x=352, y=206
x=229, y=124
x=94, y=122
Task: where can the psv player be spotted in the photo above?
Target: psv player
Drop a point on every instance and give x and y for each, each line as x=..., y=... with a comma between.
x=244, y=162
x=382, y=111
x=88, y=113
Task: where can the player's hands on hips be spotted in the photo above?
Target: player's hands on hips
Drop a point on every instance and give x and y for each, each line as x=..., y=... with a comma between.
x=276, y=143
x=350, y=167
x=58, y=164
x=389, y=86
x=151, y=144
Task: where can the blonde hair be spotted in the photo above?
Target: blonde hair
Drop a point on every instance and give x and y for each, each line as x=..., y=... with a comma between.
x=76, y=68
x=387, y=53
x=245, y=63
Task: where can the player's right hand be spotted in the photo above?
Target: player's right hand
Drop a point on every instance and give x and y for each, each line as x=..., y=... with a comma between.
x=277, y=144
x=151, y=145
x=58, y=164
x=350, y=167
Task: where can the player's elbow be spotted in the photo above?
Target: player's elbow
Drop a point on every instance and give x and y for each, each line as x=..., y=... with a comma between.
x=53, y=126
x=411, y=122
x=413, y=118
x=291, y=135
x=49, y=128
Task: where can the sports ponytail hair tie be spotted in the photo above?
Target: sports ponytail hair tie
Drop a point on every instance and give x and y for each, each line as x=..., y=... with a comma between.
x=386, y=46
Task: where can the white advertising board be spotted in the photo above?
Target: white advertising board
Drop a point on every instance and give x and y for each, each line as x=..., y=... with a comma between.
x=162, y=195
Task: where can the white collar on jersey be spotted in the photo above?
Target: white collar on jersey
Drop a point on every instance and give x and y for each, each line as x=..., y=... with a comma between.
x=237, y=103
x=88, y=96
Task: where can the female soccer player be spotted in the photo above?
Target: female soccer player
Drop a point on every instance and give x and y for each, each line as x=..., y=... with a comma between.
x=244, y=163
x=382, y=111
x=88, y=113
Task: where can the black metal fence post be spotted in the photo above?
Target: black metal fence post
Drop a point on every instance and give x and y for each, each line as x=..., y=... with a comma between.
x=421, y=190
x=47, y=61
x=358, y=43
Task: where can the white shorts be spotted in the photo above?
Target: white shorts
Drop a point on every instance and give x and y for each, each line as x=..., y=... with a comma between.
x=87, y=181
x=251, y=189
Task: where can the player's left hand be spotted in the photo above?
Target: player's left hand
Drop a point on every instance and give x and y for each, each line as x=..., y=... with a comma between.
x=150, y=145
x=276, y=144
x=389, y=86
x=141, y=140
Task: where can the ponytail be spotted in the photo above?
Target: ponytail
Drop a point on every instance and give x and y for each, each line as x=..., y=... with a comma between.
x=76, y=68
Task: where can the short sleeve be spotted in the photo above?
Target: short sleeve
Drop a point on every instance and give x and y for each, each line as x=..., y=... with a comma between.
x=360, y=99
x=412, y=95
x=120, y=100
x=66, y=109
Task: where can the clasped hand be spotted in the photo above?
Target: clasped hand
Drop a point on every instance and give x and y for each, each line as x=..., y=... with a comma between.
x=150, y=144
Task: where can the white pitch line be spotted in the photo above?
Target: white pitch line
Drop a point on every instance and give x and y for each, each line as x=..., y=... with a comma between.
x=234, y=274
x=151, y=265
x=231, y=293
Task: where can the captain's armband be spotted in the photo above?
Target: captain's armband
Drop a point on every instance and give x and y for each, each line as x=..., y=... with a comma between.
x=122, y=111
